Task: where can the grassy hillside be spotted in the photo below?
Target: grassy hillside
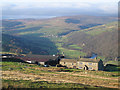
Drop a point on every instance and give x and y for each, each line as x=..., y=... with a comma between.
x=73, y=35
x=23, y=75
x=24, y=46
x=102, y=40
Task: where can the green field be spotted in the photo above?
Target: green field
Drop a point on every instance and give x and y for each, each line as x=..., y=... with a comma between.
x=69, y=52
x=75, y=47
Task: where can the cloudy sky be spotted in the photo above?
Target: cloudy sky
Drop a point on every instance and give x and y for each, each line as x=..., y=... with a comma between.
x=46, y=8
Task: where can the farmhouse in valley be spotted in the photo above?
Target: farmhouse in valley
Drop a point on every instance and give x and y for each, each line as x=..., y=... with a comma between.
x=86, y=63
x=83, y=63
x=90, y=64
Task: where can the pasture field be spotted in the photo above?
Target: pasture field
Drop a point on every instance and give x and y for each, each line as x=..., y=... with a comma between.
x=75, y=47
x=71, y=53
x=24, y=75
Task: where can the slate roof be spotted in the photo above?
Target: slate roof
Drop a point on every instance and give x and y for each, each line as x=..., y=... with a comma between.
x=68, y=60
x=6, y=54
x=42, y=56
x=39, y=58
x=81, y=59
x=89, y=60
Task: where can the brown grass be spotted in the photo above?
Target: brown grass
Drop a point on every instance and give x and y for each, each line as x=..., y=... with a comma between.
x=63, y=77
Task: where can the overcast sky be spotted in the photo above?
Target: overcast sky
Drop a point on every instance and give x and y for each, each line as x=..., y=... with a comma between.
x=59, y=7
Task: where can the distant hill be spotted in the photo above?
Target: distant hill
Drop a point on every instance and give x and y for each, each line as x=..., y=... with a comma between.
x=84, y=20
x=73, y=35
x=53, y=26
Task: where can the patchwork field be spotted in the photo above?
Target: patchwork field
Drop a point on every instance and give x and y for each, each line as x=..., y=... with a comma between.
x=78, y=36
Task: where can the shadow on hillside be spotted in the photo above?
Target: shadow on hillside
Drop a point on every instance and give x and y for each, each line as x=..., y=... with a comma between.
x=40, y=45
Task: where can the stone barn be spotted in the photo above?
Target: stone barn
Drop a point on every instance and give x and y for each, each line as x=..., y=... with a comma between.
x=83, y=63
x=70, y=63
